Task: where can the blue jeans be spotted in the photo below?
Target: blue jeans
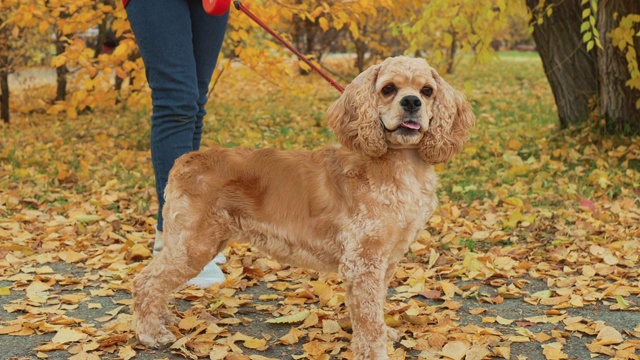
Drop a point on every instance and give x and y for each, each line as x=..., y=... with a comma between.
x=179, y=43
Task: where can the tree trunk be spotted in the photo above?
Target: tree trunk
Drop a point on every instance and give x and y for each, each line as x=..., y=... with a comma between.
x=452, y=51
x=4, y=96
x=617, y=101
x=361, y=49
x=61, y=72
x=5, y=67
x=570, y=69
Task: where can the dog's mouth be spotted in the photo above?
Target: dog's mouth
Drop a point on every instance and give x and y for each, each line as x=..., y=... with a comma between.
x=408, y=126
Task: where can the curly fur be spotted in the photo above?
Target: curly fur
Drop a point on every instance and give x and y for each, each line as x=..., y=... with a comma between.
x=449, y=126
x=353, y=209
x=358, y=102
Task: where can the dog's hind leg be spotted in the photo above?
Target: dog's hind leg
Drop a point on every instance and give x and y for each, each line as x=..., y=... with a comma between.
x=364, y=276
x=188, y=248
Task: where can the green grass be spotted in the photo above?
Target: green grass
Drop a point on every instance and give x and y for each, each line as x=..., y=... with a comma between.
x=518, y=54
x=515, y=149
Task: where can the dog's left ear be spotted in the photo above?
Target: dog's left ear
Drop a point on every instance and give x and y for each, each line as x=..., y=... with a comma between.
x=449, y=127
x=354, y=117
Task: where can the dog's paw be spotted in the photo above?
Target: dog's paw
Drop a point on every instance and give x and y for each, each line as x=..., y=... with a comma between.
x=392, y=334
x=158, y=339
x=169, y=319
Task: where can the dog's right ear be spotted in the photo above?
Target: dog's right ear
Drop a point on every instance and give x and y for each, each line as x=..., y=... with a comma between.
x=354, y=117
x=450, y=125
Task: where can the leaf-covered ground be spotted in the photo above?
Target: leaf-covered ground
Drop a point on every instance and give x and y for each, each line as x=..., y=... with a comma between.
x=533, y=254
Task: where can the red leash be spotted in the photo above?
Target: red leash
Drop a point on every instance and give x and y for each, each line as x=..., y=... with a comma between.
x=238, y=5
x=220, y=7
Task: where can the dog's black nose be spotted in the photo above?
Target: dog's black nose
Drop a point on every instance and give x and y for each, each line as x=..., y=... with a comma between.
x=411, y=103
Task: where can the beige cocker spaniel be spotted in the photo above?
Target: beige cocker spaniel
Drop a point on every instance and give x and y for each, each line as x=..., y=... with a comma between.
x=352, y=209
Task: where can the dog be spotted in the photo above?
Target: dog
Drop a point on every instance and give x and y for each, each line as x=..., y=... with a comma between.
x=353, y=209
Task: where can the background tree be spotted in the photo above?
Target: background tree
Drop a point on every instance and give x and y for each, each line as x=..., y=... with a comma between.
x=5, y=68
x=588, y=48
x=19, y=47
x=441, y=29
x=619, y=78
x=567, y=34
x=570, y=68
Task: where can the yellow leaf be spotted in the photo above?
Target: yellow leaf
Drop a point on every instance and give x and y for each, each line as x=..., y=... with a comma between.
x=543, y=294
x=514, y=144
x=471, y=263
x=514, y=218
x=330, y=327
x=138, y=252
x=323, y=291
x=50, y=347
x=392, y=321
x=588, y=271
x=189, y=323
x=73, y=298
x=609, y=336
x=311, y=320
x=71, y=112
x=297, y=317
x=502, y=321
x=86, y=218
x=10, y=329
x=324, y=24
x=66, y=335
x=219, y=353
x=69, y=256
x=58, y=61
x=449, y=289
x=127, y=352
x=292, y=337
x=455, y=350
x=255, y=343
x=5, y=291
x=553, y=351
x=514, y=201
x=353, y=27
x=477, y=352
x=517, y=170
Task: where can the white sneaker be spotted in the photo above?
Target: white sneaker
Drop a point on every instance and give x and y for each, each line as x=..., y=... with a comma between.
x=220, y=259
x=210, y=275
x=157, y=246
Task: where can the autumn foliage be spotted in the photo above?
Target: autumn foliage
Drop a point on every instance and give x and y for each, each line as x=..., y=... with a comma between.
x=71, y=37
x=532, y=218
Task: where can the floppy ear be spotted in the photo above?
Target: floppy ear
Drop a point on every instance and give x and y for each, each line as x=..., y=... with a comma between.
x=449, y=127
x=354, y=117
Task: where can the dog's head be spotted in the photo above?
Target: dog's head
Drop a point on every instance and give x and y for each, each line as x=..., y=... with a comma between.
x=402, y=103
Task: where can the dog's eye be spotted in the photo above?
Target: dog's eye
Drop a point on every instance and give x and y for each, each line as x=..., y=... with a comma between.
x=388, y=89
x=427, y=91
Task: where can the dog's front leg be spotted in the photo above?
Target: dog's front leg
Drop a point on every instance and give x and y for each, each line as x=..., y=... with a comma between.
x=364, y=277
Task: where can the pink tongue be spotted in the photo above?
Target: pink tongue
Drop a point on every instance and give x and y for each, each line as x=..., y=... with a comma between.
x=411, y=125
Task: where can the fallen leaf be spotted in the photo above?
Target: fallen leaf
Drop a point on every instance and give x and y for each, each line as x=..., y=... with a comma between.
x=609, y=336
x=66, y=335
x=294, y=318
x=255, y=343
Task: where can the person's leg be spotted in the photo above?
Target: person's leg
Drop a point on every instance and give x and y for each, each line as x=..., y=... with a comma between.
x=163, y=34
x=208, y=34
